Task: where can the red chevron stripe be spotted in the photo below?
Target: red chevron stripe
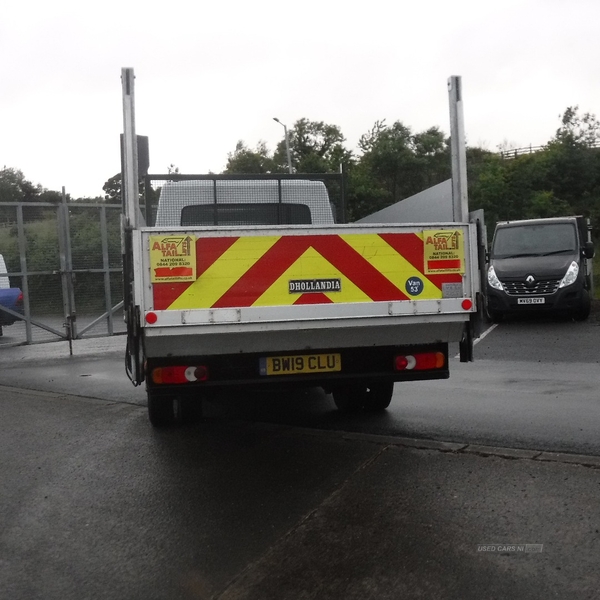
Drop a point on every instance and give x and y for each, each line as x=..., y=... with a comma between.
x=356, y=268
x=263, y=274
x=164, y=294
x=410, y=246
x=208, y=250
x=313, y=299
x=282, y=255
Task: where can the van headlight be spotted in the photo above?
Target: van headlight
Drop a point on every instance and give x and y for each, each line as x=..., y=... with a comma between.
x=570, y=276
x=493, y=279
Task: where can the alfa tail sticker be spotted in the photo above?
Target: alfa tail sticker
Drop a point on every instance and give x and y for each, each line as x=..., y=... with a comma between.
x=172, y=258
x=444, y=251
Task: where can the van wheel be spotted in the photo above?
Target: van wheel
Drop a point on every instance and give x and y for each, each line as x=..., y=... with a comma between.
x=378, y=396
x=586, y=306
x=349, y=399
x=161, y=410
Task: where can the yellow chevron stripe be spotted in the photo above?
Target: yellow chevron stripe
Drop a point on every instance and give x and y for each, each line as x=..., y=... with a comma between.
x=389, y=263
x=311, y=265
x=224, y=272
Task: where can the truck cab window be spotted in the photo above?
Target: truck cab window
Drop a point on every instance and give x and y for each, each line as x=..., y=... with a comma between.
x=246, y=214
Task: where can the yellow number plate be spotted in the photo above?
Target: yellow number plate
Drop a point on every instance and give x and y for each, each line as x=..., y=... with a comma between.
x=295, y=365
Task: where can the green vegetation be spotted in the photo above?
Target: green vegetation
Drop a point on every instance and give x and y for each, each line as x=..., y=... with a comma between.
x=391, y=163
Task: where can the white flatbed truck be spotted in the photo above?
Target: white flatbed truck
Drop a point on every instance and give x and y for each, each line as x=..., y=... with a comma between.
x=251, y=283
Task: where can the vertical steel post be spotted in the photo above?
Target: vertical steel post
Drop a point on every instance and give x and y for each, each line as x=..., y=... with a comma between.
x=130, y=184
x=460, y=201
x=343, y=193
x=66, y=267
x=106, y=268
x=25, y=278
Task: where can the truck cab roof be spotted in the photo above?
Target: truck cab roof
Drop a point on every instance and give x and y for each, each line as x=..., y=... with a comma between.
x=243, y=202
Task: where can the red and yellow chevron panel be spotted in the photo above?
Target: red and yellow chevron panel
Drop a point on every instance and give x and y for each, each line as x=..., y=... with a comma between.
x=282, y=270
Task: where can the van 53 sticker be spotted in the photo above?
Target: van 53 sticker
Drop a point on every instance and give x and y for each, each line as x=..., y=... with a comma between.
x=444, y=251
x=172, y=258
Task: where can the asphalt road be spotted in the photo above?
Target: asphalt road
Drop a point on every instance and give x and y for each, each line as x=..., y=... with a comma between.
x=281, y=497
x=534, y=384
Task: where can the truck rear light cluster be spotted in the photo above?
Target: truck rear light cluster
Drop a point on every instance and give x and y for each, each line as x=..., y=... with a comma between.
x=179, y=374
x=423, y=361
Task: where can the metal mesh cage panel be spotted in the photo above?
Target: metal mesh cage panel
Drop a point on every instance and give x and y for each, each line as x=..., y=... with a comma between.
x=189, y=200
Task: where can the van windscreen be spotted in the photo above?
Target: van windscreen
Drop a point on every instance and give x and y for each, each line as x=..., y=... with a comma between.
x=534, y=240
x=271, y=213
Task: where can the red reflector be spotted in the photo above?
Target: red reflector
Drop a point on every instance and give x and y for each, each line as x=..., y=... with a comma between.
x=424, y=361
x=169, y=375
x=201, y=373
x=467, y=304
x=179, y=374
x=400, y=363
x=151, y=318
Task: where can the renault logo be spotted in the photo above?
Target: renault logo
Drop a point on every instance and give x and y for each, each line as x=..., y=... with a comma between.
x=530, y=280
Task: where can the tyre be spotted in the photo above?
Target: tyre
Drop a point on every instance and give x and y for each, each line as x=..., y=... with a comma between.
x=583, y=312
x=371, y=397
x=161, y=410
x=378, y=396
x=349, y=399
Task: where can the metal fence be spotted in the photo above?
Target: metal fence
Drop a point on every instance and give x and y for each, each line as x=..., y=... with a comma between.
x=516, y=152
x=66, y=258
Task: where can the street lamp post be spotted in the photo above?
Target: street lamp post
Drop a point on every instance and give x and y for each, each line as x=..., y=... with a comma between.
x=287, y=143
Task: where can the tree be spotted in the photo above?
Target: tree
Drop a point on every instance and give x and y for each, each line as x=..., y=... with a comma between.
x=577, y=129
x=15, y=188
x=112, y=189
x=562, y=179
x=315, y=147
x=245, y=160
x=395, y=164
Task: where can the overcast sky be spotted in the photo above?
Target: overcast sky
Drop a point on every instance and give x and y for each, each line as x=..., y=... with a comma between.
x=211, y=73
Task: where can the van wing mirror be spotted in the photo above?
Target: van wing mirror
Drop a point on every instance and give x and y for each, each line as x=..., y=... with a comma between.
x=588, y=250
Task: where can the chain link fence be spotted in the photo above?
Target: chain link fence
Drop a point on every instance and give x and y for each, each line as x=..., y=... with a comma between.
x=66, y=259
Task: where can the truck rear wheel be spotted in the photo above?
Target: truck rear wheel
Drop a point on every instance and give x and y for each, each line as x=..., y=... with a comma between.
x=378, y=396
x=371, y=397
x=349, y=399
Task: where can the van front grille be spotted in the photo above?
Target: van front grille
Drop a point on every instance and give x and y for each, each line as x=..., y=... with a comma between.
x=541, y=287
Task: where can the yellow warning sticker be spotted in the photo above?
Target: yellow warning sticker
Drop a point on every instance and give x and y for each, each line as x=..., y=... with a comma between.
x=444, y=251
x=172, y=258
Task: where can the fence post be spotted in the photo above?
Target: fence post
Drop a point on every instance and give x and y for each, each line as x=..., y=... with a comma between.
x=106, y=267
x=25, y=277
x=66, y=270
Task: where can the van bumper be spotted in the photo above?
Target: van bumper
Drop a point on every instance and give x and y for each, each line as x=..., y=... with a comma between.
x=568, y=300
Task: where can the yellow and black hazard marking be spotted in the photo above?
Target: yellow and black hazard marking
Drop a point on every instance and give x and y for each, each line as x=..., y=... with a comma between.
x=309, y=269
